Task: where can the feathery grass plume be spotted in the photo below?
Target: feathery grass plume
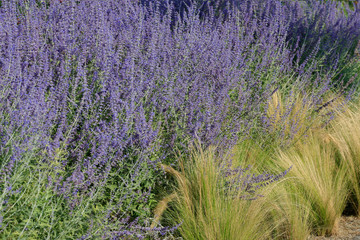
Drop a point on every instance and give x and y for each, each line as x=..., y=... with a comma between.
x=345, y=135
x=207, y=208
x=163, y=204
x=249, y=152
x=161, y=207
x=321, y=177
x=290, y=119
x=292, y=209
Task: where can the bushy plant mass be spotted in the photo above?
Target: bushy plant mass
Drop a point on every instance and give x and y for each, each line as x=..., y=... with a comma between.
x=95, y=95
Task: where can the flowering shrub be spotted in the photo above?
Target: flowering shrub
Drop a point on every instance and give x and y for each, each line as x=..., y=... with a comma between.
x=102, y=91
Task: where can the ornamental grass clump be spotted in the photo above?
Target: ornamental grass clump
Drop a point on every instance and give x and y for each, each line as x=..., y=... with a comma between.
x=291, y=120
x=292, y=208
x=313, y=197
x=289, y=208
x=345, y=135
x=288, y=122
x=320, y=176
x=217, y=202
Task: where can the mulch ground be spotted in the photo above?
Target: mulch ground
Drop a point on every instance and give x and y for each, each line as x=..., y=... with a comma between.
x=349, y=229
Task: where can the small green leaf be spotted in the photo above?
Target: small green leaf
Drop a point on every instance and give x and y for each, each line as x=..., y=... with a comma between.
x=112, y=187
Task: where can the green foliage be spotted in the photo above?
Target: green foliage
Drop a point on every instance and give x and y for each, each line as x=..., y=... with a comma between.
x=36, y=212
x=33, y=210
